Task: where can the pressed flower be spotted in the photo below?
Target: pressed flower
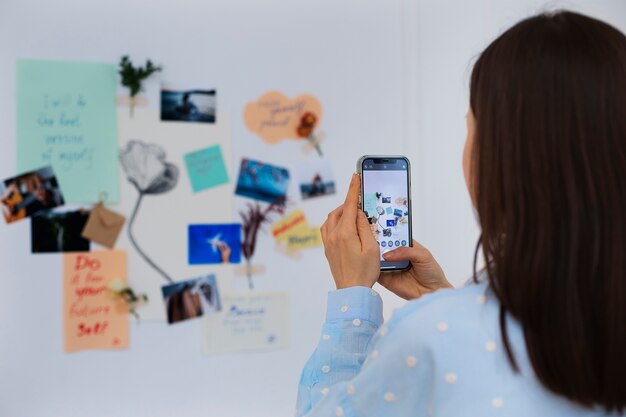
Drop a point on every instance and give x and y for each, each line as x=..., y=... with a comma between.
x=146, y=168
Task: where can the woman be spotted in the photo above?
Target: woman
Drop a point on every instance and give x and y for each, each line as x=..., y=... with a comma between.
x=543, y=331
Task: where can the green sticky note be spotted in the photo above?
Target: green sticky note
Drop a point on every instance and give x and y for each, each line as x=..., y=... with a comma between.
x=206, y=168
x=66, y=117
x=369, y=204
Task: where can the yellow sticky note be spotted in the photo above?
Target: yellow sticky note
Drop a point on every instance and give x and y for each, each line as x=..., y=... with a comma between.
x=94, y=317
x=306, y=238
x=288, y=225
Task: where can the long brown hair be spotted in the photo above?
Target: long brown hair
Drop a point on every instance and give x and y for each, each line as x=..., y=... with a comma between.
x=549, y=165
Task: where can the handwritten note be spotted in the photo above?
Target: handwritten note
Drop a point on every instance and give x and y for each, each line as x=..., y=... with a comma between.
x=206, y=168
x=248, y=321
x=66, y=117
x=94, y=317
x=293, y=233
x=307, y=238
x=274, y=117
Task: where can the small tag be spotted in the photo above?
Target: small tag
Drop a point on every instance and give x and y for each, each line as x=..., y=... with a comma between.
x=313, y=142
x=249, y=269
x=284, y=249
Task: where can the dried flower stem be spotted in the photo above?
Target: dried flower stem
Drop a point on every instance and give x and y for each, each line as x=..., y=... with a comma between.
x=134, y=242
x=252, y=221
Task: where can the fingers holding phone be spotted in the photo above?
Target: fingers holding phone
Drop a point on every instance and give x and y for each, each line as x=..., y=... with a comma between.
x=360, y=244
x=423, y=276
x=350, y=248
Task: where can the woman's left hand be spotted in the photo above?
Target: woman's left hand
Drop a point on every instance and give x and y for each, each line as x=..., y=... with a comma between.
x=349, y=246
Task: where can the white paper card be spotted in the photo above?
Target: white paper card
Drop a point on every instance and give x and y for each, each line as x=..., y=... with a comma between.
x=160, y=226
x=248, y=321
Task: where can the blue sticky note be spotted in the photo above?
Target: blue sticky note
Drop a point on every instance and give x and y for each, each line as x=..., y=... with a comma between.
x=214, y=243
x=389, y=210
x=67, y=118
x=206, y=168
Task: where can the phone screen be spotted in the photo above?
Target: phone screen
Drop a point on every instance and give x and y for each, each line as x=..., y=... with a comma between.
x=386, y=201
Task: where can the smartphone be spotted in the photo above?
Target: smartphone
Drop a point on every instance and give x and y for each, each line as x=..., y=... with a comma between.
x=386, y=200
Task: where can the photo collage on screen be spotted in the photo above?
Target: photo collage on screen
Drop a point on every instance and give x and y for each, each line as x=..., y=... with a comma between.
x=386, y=204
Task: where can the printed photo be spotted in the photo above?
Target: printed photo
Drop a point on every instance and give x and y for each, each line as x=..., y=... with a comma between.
x=261, y=181
x=59, y=231
x=315, y=178
x=188, y=105
x=190, y=299
x=26, y=194
x=214, y=243
x=386, y=200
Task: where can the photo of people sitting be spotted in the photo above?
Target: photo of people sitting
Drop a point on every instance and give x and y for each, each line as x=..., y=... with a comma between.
x=29, y=193
x=315, y=178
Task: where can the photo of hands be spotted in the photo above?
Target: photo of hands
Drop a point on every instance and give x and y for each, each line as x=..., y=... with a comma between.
x=192, y=298
x=214, y=243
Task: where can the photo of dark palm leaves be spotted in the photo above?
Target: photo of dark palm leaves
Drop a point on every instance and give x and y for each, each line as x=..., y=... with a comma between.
x=53, y=231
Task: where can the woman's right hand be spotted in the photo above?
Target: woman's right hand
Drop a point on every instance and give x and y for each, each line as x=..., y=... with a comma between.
x=424, y=275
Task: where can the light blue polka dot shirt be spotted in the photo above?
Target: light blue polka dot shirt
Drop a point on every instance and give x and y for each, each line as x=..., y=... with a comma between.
x=440, y=355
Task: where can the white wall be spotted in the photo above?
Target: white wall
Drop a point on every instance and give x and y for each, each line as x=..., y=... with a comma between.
x=392, y=77
x=442, y=40
x=346, y=53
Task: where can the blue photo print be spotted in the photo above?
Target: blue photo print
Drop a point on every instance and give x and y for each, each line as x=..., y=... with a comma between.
x=391, y=223
x=261, y=181
x=214, y=243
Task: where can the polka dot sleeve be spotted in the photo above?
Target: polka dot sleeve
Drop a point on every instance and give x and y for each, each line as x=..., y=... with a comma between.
x=362, y=367
x=438, y=356
x=352, y=318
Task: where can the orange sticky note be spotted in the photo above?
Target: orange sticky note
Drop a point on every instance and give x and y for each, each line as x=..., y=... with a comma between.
x=95, y=318
x=275, y=117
